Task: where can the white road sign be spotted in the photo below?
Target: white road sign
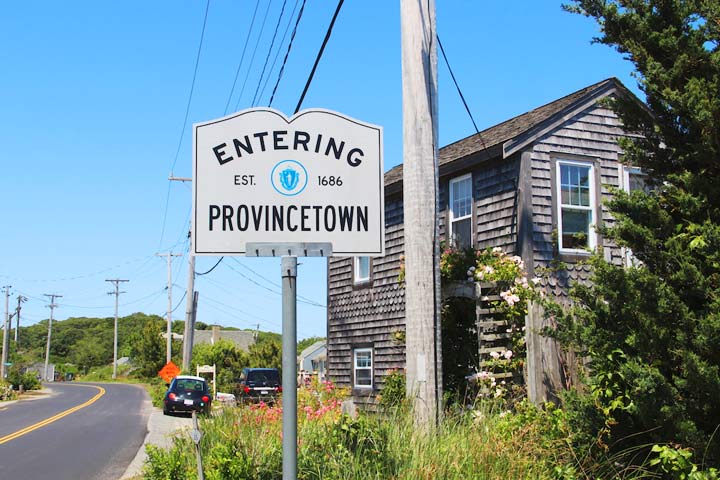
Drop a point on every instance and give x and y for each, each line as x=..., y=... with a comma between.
x=261, y=177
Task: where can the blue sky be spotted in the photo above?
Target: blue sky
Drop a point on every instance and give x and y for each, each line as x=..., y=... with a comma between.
x=93, y=97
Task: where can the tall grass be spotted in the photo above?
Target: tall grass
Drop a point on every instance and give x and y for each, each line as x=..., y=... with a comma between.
x=485, y=443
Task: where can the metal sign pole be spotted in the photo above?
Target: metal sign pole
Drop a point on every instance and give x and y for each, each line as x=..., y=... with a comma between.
x=288, y=266
x=289, y=366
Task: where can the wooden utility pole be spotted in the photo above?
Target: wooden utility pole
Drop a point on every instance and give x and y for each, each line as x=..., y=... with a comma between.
x=52, y=307
x=6, y=333
x=189, y=332
x=420, y=191
x=20, y=300
x=117, y=293
x=169, y=256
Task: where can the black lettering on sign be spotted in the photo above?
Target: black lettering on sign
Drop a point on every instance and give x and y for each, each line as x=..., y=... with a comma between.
x=220, y=154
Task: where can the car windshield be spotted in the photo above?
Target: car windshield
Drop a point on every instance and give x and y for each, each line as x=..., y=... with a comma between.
x=263, y=376
x=189, y=384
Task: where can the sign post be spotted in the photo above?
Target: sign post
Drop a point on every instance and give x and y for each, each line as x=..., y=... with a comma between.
x=268, y=186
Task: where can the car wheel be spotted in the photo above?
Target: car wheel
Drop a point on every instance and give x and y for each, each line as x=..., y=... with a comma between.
x=166, y=411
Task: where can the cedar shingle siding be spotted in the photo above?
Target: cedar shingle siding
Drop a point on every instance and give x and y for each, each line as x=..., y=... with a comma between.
x=514, y=207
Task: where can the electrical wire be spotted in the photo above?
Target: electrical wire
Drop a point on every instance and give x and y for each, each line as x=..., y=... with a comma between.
x=213, y=268
x=242, y=57
x=252, y=58
x=277, y=53
x=282, y=68
x=267, y=58
x=304, y=299
x=319, y=55
x=182, y=131
x=462, y=97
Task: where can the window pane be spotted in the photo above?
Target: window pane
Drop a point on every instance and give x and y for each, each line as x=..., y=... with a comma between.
x=362, y=268
x=461, y=197
x=363, y=377
x=574, y=185
x=363, y=359
x=462, y=233
x=575, y=228
x=637, y=182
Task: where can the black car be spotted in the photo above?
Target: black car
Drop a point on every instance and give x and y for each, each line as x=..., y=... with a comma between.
x=187, y=393
x=258, y=384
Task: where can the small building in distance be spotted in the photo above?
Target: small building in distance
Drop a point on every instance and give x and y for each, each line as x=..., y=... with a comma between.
x=312, y=360
x=241, y=338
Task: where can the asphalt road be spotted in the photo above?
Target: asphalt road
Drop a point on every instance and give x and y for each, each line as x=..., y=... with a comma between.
x=80, y=431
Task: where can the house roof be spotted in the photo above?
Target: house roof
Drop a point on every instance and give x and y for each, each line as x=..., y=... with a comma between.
x=311, y=349
x=507, y=137
x=241, y=338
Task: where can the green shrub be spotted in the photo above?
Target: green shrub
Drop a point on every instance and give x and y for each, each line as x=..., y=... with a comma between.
x=28, y=380
x=393, y=393
x=156, y=389
x=6, y=392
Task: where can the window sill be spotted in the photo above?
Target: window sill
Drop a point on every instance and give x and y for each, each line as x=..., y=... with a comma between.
x=362, y=391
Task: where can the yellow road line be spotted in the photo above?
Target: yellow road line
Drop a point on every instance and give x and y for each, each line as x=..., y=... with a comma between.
x=55, y=418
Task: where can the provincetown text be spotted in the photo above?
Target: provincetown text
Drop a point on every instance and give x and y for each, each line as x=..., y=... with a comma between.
x=291, y=218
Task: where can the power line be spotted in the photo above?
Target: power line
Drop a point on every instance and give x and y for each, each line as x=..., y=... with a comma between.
x=213, y=268
x=267, y=57
x=242, y=57
x=282, y=68
x=462, y=97
x=252, y=58
x=303, y=299
x=277, y=53
x=192, y=86
x=319, y=55
x=187, y=112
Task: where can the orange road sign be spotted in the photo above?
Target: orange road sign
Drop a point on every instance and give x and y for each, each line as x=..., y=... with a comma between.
x=169, y=371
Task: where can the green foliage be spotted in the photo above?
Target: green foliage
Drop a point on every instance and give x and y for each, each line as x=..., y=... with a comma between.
x=6, y=391
x=28, y=380
x=393, y=394
x=651, y=332
x=228, y=359
x=148, y=348
x=677, y=463
x=266, y=354
x=156, y=389
x=246, y=442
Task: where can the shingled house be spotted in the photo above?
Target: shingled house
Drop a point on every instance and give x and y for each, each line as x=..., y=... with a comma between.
x=533, y=185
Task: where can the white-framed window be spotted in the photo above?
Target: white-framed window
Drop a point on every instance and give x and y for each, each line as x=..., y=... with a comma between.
x=633, y=179
x=363, y=367
x=460, y=211
x=576, y=206
x=361, y=269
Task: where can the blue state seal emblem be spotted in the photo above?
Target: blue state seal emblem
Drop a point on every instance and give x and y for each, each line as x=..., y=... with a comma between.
x=289, y=177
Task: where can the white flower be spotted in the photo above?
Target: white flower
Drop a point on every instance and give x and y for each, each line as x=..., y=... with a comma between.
x=497, y=250
x=536, y=280
x=508, y=354
x=498, y=393
x=495, y=355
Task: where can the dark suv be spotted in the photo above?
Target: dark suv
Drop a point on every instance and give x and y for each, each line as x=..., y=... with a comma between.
x=258, y=384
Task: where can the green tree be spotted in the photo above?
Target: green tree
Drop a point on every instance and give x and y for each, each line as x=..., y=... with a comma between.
x=228, y=359
x=147, y=348
x=652, y=331
x=267, y=354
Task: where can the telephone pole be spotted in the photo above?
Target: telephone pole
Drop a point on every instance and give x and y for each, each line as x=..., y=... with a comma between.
x=169, y=256
x=52, y=306
x=6, y=332
x=191, y=302
x=117, y=293
x=420, y=190
x=20, y=299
